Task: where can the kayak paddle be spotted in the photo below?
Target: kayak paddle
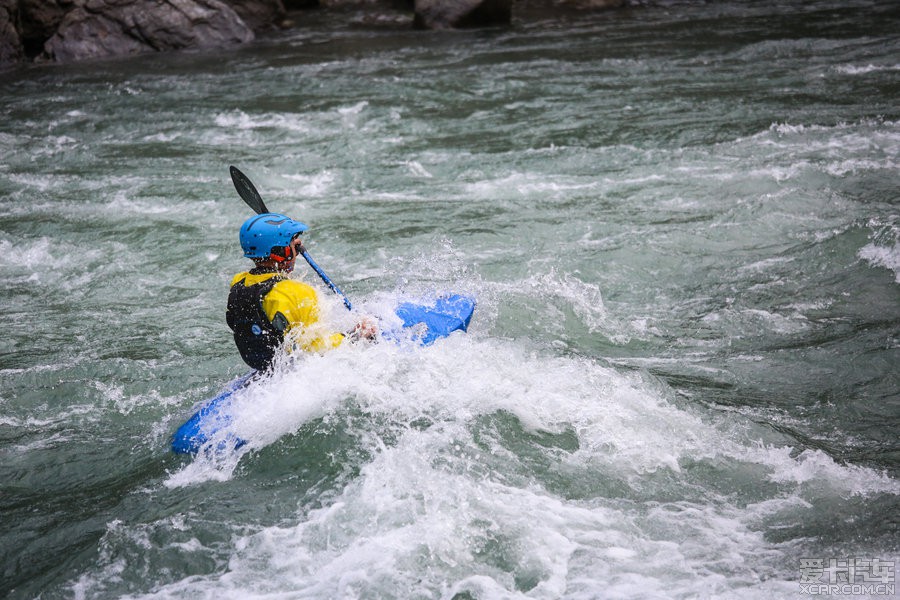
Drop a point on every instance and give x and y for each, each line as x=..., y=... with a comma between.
x=247, y=191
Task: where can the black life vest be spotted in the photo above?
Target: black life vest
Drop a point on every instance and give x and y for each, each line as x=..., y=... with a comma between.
x=257, y=339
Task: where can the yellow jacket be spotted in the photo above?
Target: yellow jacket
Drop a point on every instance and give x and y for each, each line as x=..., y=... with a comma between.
x=298, y=304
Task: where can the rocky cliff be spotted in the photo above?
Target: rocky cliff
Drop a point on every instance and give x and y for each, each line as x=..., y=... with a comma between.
x=70, y=30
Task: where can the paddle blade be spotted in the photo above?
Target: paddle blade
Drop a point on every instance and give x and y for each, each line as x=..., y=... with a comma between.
x=247, y=191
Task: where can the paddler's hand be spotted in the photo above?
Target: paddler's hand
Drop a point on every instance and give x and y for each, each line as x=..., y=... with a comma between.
x=297, y=245
x=366, y=329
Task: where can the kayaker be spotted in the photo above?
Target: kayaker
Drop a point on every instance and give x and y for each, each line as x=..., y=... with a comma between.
x=265, y=307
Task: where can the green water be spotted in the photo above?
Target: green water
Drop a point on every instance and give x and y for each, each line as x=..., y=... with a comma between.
x=680, y=223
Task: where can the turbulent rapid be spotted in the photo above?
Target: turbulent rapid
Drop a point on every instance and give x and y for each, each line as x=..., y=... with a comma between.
x=681, y=226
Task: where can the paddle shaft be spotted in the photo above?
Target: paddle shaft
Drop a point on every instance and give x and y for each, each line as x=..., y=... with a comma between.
x=326, y=279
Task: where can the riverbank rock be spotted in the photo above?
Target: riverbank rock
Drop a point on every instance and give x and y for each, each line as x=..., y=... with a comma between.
x=446, y=14
x=11, y=48
x=590, y=4
x=38, y=20
x=101, y=28
x=70, y=30
x=260, y=15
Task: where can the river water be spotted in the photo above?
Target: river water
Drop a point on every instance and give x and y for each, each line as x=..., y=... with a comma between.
x=681, y=225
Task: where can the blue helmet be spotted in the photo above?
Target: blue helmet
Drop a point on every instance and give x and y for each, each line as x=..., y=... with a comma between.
x=263, y=232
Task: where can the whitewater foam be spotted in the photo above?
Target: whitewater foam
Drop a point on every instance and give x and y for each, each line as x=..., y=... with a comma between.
x=887, y=257
x=455, y=505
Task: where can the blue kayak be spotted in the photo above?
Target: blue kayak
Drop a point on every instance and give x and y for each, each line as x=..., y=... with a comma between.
x=421, y=322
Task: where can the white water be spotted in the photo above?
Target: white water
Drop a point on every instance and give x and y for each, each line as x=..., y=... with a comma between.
x=656, y=500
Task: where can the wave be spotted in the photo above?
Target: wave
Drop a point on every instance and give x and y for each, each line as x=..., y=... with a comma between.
x=866, y=69
x=484, y=469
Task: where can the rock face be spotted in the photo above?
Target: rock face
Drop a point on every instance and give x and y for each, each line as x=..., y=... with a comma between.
x=69, y=30
x=38, y=20
x=11, y=49
x=259, y=15
x=445, y=14
x=101, y=28
x=591, y=4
